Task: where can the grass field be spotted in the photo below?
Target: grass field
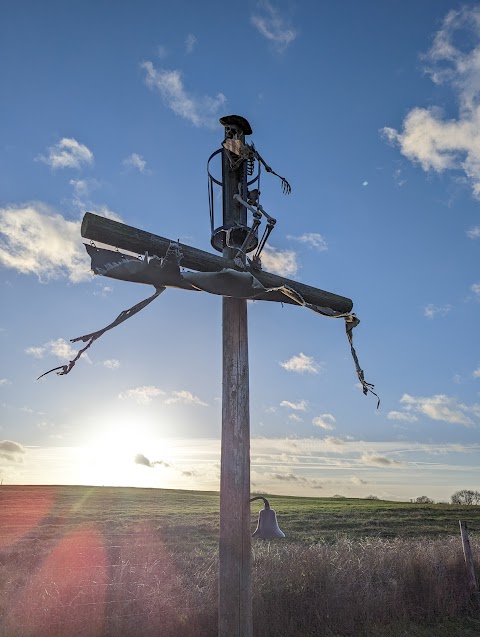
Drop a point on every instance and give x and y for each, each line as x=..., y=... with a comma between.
x=116, y=561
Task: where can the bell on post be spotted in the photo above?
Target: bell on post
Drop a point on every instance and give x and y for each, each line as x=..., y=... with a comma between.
x=267, y=527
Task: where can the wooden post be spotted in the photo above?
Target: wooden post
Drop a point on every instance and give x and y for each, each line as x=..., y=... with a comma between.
x=114, y=233
x=235, y=589
x=467, y=552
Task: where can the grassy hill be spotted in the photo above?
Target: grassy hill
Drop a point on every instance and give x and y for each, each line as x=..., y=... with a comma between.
x=104, y=562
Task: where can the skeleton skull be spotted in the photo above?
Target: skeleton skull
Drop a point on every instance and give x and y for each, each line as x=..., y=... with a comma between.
x=232, y=132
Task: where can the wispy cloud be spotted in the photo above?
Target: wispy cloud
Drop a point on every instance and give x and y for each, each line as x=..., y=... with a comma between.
x=398, y=178
x=111, y=363
x=81, y=187
x=325, y=421
x=431, y=310
x=162, y=51
x=67, y=153
x=190, y=43
x=334, y=445
x=474, y=233
x=283, y=262
x=143, y=460
x=200, y=111
x=475, y=287
x=5, y=381
x=300, y=406
x=59, y=348
x=273, y=26
x=312, y=239
x=142, y=395
x=440, y=407
x=358, y=481
x=294, y=478
x=476, y=373
x=12, y=451
x=403, y=416
x=295, y=418
x=427, y=137
x=302, y=364
x=135, y=161
x=104, y=291
x=375, y=460
x=184, y=397
x=36, y=240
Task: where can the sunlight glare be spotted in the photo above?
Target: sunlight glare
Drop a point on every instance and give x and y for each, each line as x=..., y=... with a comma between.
x=113, y=450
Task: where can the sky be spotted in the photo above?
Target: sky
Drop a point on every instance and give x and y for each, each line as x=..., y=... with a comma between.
x=371, y=111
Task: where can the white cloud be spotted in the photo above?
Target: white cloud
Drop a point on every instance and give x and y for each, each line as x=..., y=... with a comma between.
x=12, y=451
x=431, y=310
x=67, y=153
x=200, y=111
x=312, y=239
x=358, y=481
x=476, y=373
x=300, y=406
x=184, y=397
x=325, y=421
x=439, y=407
x=111, y=363
x=142, y=395
x=104, y=211
x=295, y=418
x=81, y=187
x=375, y=460
x=273, y=26
x=5, y=381
x=475, y=287
x=398, y=178
x=474, y=233
x=428, y=138
x=36, y=240
x=403, y=416
x=190, y=42
x=135, y=161
x=292, y=478
x=334, y=445
x=282, y=262
x=104, y=291
x=301, y=364
x=59, y=348
x=143, y=460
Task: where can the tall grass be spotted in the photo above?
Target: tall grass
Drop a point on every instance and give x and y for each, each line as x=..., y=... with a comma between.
x=91, y=584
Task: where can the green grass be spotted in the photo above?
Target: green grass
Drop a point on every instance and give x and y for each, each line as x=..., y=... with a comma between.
x=146, y=562
x=303, y=520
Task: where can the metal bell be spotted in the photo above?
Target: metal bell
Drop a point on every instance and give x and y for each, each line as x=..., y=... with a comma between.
x=267, y=527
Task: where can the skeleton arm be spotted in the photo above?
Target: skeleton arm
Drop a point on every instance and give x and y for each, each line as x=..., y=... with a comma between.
x=286, y=188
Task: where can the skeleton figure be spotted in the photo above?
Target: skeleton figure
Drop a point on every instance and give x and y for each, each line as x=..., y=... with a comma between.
x=238, y=152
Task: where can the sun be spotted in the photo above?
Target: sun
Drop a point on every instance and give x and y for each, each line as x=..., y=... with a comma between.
x=111, y=453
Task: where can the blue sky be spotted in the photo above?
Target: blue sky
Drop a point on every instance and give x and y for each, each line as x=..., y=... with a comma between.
x=372, y=112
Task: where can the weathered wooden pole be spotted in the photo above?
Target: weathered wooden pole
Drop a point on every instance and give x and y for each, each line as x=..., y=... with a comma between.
x=469, y=563
x=114, y=233
x=235, y=588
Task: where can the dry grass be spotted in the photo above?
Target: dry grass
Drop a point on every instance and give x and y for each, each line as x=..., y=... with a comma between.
x=77, y=574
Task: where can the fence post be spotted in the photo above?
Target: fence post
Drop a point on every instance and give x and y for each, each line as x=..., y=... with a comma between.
x=471, y=577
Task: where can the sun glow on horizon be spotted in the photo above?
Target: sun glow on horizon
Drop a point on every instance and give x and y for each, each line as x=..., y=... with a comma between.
x=127, y=453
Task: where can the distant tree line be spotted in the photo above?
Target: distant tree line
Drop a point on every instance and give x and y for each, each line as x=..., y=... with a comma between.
x=465, y=496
